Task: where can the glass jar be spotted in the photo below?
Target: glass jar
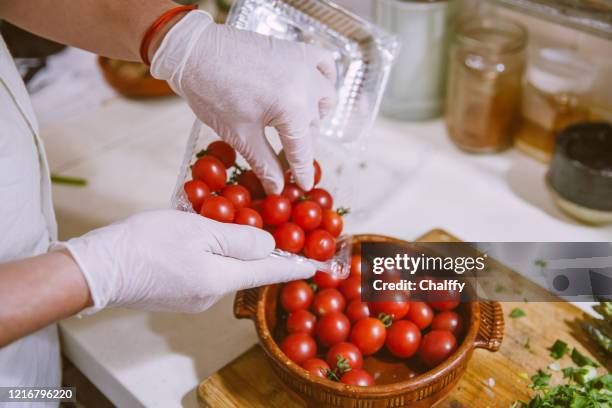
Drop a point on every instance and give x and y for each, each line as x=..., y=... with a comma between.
x=416, y=86
x=487, y=61
x=555, y=95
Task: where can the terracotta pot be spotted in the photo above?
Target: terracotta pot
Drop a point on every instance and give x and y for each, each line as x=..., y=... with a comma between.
x=485, y=326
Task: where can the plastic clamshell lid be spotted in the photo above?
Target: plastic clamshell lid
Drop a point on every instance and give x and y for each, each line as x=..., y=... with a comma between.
x=363, y=53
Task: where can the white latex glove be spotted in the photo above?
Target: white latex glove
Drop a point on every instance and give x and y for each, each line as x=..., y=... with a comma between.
x=238, y=82
x=176, y=261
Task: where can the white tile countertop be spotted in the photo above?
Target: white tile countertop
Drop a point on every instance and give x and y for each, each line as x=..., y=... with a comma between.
x=130, y=151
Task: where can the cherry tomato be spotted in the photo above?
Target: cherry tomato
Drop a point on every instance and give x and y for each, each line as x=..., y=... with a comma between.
x=328, y=301
x=238, y=195
x=436, y=346
x=369, y=335
x=222, y=151
x=249, y=180
x=307, y=214
x=276, y=209
x=351, y=288
x=321, y=197
x=342, y=354
x=211, y=171
x=332, y=222
x=333, y=328
x=326, y=280
x=289, y=237
x=444, y=299
x=299, y=347
x=420, y=314
x=403, y=339
x=316, y=366
x=293, y=192
x=319, y=245
x=257, y=205
x=356, y=265
x=301, y=321
x=357, y=377
x=218, y=208
x=357, y=310
x=396, y=309
x=296, y=295
x=248, y=216
x=196, y=191
x=317, y=174
x=449, y=321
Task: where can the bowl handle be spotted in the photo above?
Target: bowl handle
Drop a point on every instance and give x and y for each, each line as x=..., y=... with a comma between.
x=245, y=303
x=491, y=330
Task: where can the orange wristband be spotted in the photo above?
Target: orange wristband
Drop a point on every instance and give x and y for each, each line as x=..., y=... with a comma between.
x=156, y=26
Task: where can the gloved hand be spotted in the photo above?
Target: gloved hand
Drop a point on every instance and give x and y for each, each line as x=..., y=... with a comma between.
x=238, y=82
x=176, y=261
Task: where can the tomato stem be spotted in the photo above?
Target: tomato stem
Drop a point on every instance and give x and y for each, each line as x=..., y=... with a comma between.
x=386, y=319
x=343, y=211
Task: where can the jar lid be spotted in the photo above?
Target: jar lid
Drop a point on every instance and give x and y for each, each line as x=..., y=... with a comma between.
x=581, y=167
x=557, y=70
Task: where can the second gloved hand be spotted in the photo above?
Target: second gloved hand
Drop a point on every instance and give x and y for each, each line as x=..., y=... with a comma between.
x=238, y=82
x=176, y=261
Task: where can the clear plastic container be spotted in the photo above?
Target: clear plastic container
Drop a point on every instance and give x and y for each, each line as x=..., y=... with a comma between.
x=487, y=60
x=363, y=56
x=555, y=95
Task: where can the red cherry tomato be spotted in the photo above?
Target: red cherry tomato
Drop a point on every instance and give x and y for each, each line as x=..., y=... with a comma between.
x=222, y=151
x=369, y=335
x=248, y=216
x=293, y=192
x=299, y=347
x=296, y=295
x=316, y=366
x=307, y=214
x=289, y=237
x=436, y=346
x=333, y=328
x=319, y=245
x=326, y=280
x=351, y=288
x=257, y=205
x=317, y=174
x=332, y=222
x=210, y=170
x=357, y=310
x=357, y=377
x=444, y=299
x=196, y=191
x=249, y=180
x=218, y=208
x=301, y=321
x=321, y=197
x=449, y=321
x=276, y=209
x=341, y=354
x=356, y=265
x=403, y=339
x=238, y=195
x=328, y=301
x=396, y=309
x=420, y=314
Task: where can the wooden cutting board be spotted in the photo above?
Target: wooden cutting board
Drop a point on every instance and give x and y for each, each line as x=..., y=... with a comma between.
x=492, y=379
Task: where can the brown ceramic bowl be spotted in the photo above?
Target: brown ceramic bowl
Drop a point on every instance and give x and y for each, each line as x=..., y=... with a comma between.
x=485, y=326
x=132, y=79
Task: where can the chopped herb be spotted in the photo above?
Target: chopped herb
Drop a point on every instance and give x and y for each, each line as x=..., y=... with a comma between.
x=524, y=375
x=580, y=375
x=72, y=181
x=540, y=380
x=517, y=312
x=499, y=288
x=527, y=344
x=581, y=360
x=540, y=263
x=559, y=349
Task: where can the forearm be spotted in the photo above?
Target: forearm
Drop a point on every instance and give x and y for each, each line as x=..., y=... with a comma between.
x=35, y=292
x=113, y=28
